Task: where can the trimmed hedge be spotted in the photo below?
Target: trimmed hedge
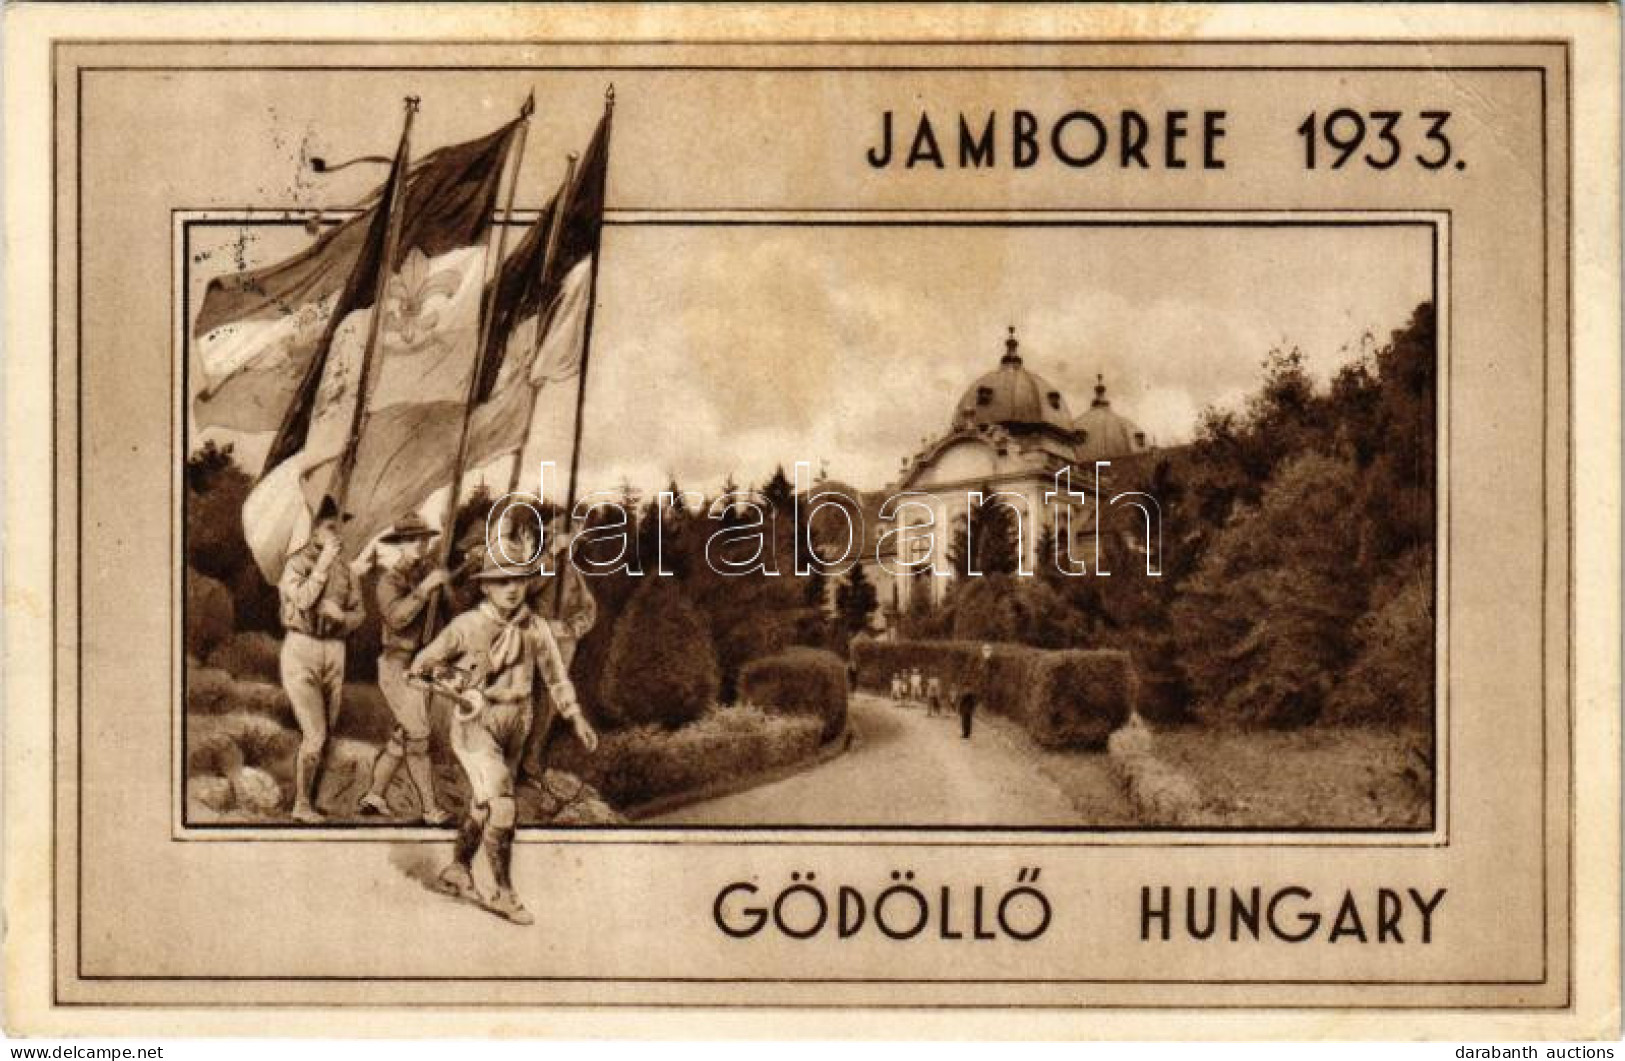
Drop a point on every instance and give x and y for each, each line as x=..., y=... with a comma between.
x=635, y=765
x=1063, y=698
x=799, y=681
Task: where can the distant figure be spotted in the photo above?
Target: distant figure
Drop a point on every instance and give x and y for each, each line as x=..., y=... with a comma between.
x=916, y=691
x=933, y=696
x=898, y=688
x=967, y=711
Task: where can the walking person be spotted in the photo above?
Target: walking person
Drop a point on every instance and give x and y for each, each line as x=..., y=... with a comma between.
x=320, y=605
x=404, y=592
x=967, y=712
x=933, y=696
x=967, y=697
x=491, y=660
x=916, y=692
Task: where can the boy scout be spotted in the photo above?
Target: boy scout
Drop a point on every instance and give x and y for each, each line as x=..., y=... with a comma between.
x=491, y=658
x=404, y=591
x=321, y=604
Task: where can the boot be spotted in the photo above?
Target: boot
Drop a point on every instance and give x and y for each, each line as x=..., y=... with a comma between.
x=499, y=849
x=458, y=877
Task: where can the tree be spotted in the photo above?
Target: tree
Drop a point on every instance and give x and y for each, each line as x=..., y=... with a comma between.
x=1263, y=626
x=989, y=536
x=216, y=487
x=661, y=666
x=779, y=491
x=855, y=601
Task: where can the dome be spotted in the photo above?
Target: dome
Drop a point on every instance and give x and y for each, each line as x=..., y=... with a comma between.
x=1012, y=397
x=1106, y=434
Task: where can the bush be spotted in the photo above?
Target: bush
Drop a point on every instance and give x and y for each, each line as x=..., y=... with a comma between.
x=1391, y=681
x=1013, y=609
x=1063, y=698
x=209, y=613
x=640, y=763
x=661, y=668
x=1161, y=793
x=1078, y=698
x=800, y=680
x=251, y=654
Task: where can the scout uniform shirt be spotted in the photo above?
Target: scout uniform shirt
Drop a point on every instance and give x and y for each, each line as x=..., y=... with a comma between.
x=502, y=656
x=401, y=607
x=306, y=583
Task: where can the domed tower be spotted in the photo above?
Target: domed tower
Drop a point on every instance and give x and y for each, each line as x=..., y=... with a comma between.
x=1106, y=434
x=1012, y=398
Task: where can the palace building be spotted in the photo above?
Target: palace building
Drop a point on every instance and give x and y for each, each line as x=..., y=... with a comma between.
x=1009, y=433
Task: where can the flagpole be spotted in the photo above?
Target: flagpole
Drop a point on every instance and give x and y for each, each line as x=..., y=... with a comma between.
x=543, y=318
x=498, y=233
x=340, y=488
x=586, y=347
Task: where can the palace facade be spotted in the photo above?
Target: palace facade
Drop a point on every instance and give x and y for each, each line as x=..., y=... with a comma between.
x=1010, y=433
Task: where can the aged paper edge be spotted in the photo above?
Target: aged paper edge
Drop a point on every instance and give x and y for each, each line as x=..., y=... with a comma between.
x=1594, y=229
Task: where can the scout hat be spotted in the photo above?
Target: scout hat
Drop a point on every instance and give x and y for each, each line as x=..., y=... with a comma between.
x=408, y=528
x=493, y=570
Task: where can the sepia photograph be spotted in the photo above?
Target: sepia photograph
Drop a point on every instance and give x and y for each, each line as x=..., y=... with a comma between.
x=881, y=517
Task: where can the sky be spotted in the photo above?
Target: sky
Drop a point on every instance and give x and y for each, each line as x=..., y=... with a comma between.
x=727, y=349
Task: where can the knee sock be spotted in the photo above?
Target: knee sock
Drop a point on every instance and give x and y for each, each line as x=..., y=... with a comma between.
x=468, y=840
x=499, y=848
x=421, y=771
x=384, y=767
x=306, y=766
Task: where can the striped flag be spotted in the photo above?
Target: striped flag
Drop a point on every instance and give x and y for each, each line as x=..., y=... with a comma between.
x=408, y=450
x=427, y=334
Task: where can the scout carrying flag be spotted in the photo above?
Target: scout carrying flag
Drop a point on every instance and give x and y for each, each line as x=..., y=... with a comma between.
x=402, y=328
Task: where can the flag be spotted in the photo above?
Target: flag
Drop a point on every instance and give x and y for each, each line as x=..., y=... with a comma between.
x=524, y=293
x=426, y=337
x=257, y=331
x=409, y=451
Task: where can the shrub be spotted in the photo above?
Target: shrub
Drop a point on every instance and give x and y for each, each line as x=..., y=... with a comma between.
x=251, y=654
x=209, y=691
x=1013, y=609
x=799, y=681
x=1079, y=698
x=1391, y=681
x=1067, y=697
x=209, y=613
x=661, y=667
x=640, y=763
x=1161, y=793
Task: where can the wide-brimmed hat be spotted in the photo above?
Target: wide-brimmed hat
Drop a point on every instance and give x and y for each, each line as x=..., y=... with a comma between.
x=493, y=570
x=408, y=528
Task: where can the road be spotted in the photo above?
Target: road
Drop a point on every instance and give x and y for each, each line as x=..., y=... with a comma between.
x=905, y=769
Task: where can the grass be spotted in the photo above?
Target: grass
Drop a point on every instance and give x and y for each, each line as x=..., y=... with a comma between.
x=1082, y=775
x=1318, y=777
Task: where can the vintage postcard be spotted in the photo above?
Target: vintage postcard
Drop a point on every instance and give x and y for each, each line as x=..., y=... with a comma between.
x=907, y=521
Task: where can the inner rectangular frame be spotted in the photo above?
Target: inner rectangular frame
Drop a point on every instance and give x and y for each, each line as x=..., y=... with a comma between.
x=932, y=835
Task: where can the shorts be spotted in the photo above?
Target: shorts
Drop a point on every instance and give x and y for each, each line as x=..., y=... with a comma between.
x=488, y=749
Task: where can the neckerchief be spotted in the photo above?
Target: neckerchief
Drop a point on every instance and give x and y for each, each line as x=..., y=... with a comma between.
x=510, y=639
